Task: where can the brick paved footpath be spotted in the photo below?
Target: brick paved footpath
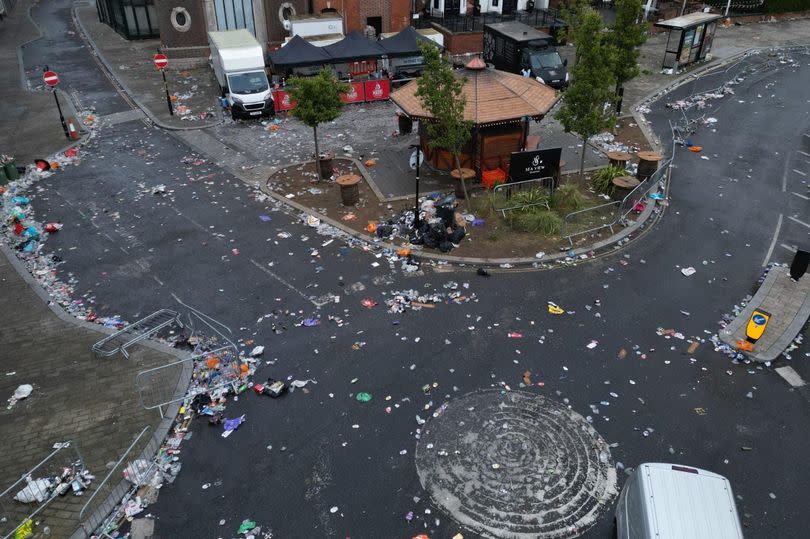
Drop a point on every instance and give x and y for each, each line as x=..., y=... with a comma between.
x=77, y=396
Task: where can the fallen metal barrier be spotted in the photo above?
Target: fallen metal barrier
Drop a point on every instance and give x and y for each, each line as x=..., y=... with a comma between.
x=136, y=332
x=15, y=516
x=154, y=393
x=115, y=485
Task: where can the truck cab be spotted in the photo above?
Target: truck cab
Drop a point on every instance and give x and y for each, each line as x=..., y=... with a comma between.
x=545, y=65
x=519, y=48
x=249, y=94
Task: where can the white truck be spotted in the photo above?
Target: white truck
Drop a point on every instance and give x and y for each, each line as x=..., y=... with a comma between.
x=238, y=63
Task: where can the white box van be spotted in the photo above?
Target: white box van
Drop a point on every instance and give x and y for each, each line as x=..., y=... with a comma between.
x=238, y=63
x=669, y=501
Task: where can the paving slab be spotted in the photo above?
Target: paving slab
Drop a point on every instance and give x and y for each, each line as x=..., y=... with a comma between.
x=787, y=301
x=77, y=397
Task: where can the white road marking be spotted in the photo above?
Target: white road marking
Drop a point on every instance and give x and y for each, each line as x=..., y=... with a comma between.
x=799, y=195
x=799, y=172
x=798, y=221
x=788, y=247
x=784, y=179
x=158, y=280
x=804, y=153
x=773, y=241
x=285, y=283
x=791, y=376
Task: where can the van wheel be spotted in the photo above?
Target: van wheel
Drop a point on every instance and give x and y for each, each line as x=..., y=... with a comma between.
x=234, y=117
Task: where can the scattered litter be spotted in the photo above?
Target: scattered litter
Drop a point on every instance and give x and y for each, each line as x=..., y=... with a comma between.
x=688, y=271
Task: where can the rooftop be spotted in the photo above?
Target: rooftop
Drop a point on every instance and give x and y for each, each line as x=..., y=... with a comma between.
x=492, y=96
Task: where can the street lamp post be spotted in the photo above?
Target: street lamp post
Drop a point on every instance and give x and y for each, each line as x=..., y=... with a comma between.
x=416, y=201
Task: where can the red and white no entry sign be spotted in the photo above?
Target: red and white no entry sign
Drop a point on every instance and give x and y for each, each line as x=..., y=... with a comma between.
x=161, y=61
x=50, y=78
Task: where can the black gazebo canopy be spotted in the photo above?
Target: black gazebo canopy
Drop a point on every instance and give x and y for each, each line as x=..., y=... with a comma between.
x=354, y=46
x=405, y=43
x=299, y=52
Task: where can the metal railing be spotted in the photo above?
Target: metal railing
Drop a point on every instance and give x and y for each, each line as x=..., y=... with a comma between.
x=212, y=370
x=116, y=483
x=136, y=332
x=615, y=212
x=505, y=191
x=39, y=488
x=475, y=23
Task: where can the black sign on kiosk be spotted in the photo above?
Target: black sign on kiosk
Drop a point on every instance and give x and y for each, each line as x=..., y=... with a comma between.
x=534, y=164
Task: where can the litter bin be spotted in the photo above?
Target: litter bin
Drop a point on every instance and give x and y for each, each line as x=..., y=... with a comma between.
x=325, y=164
x=349, y=189
x=11, y=171
x=647, y=164
x=467, y=174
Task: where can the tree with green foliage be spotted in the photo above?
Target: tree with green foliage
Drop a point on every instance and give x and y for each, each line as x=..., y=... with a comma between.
x=571, y=12
x=586, y=107
x=440, y=92
x=317, y=100
x=627, y=34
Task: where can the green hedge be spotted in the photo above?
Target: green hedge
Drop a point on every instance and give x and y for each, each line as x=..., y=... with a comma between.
x=782, y=6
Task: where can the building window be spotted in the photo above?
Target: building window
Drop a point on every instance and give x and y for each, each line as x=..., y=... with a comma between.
x=234, y=15
x=133, y=19
x=181, y=20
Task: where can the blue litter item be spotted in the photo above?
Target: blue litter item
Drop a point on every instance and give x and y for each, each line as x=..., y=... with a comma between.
x=20, y=200
x=478, y=222
x=31, y=233
x=29, y=247
x=657, y=196
x=311, y=322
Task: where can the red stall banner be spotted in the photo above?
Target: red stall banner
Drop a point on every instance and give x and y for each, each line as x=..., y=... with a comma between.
x=377, y=89
x=355, y=93
x=282, y=100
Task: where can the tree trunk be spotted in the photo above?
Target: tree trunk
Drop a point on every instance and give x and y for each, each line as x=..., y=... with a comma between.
x=317, y=153
x=463, y=183
x=582, y=160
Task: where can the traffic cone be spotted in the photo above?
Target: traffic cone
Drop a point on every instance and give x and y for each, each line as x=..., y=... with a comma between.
x=74, y=134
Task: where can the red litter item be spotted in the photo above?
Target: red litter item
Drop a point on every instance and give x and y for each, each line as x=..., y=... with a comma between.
x=53, y=227
x=515, y=335
x=258, y=388
x=71, y=152
x=41, y=164
x=235, y=252
x=18, y=228
x=368, y=303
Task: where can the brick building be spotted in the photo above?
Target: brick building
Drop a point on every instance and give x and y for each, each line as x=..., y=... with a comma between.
x=183, y=24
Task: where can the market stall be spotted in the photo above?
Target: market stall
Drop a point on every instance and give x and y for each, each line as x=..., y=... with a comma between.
x=497, y=103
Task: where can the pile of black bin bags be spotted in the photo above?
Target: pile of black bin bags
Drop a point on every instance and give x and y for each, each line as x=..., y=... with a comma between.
x=439, y=227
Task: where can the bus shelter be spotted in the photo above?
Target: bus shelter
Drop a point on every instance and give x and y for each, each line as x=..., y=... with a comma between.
x=690, y=38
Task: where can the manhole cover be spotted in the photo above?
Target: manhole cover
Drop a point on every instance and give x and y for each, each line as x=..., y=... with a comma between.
x=516, y=465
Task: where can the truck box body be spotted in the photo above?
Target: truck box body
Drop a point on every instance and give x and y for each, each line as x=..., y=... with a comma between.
x=669, y=501
x=513, y=46
x=238, y=63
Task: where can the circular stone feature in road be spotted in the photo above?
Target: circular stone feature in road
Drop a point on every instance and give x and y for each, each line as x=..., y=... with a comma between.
x=516, y=465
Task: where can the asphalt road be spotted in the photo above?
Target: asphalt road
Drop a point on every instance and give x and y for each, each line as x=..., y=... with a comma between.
x=133, y=252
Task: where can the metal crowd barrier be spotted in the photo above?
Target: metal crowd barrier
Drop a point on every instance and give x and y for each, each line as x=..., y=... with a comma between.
x=17, y=516
x=622, y=207
x=510, y=188
x=135, y=332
